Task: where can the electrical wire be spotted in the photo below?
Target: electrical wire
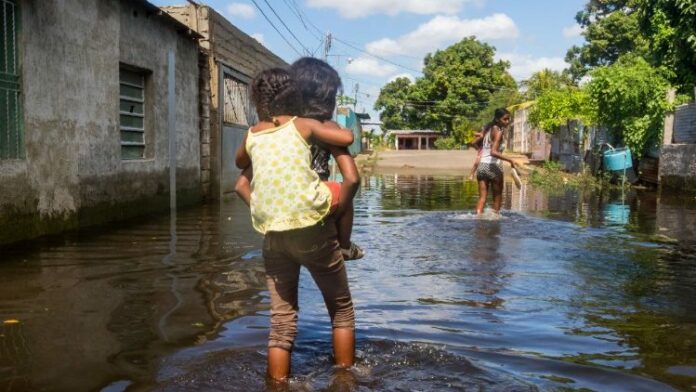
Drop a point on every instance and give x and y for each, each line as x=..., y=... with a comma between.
x=286, y=27
x=275, y=28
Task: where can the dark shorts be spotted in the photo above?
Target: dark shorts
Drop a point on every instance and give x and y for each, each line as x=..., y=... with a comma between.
x=489, y=172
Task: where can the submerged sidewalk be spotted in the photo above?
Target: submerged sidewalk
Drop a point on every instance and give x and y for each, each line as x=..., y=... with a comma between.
x=453, y=162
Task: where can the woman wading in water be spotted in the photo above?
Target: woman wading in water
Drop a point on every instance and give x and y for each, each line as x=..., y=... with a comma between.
x=490, y=169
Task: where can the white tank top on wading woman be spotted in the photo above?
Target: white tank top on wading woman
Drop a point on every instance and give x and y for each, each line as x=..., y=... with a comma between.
x=486, y=156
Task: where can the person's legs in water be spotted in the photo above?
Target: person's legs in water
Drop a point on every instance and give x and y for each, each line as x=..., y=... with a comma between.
x=329, y=273
x=497, y=190
x=282, y=280
x=483, y=194
x=317, y=249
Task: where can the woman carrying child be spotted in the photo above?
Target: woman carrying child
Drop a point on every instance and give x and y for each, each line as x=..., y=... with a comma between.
x=296, y=212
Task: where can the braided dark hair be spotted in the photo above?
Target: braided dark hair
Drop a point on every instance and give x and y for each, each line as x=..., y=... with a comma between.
x=273, y=93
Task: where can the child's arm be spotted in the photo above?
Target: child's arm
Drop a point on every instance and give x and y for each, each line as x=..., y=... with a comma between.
x=329, y=132
x=349, y=172
x=242, y=158
x=243, y=185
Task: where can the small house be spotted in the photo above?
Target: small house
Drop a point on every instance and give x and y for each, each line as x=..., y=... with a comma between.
x=414, y=139
x=88, y=132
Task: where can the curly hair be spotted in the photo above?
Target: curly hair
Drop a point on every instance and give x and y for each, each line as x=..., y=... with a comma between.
x=273, y=93
x=317, y=85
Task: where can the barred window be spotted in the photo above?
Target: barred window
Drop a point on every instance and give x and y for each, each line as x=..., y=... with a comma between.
x=238, y=108
x=132, y=114
x=11, y=132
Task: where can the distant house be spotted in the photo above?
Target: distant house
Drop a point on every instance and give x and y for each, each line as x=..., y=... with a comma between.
x=229, y=60
x=85, y=119
x=414, y=139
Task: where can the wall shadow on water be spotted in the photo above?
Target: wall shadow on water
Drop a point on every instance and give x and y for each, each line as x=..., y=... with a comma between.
x=570, y=290
x=107, y=304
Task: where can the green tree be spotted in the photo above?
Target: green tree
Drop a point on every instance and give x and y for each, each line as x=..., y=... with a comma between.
x=343, y=100
x=544, y=80
x=457, y=83
x=611, y=29
x=630, y=100
x=392, y=101
x=557, y=107
x=671, y=28
x=460, y=81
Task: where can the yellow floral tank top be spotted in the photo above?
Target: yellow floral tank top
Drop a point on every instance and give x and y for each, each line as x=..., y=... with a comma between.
x=286, y=194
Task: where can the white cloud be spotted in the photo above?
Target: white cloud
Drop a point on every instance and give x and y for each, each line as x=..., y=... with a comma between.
x=445, y=30
x=402, y=75
x=259, y=37
x=572, y=31
x=361, y=8
x=523, y=66
x=242, y=10
x=369, y=66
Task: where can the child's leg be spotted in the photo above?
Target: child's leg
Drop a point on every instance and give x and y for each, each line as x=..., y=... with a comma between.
x=243, y=185
x=344, y=225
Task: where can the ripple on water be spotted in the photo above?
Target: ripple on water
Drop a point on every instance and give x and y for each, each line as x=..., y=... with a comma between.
x=381, y=365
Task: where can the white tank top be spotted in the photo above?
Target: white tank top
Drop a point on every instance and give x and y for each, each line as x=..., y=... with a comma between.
x=486, y=156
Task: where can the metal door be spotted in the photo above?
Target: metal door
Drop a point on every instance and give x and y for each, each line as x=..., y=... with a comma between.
x=237, y=115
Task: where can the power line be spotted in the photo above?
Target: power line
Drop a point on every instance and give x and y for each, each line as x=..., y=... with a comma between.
x=376, y=56
x=286, y=27
x=275, y=28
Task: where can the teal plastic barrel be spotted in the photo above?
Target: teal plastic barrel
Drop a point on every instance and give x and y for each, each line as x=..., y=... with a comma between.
x=617, y=159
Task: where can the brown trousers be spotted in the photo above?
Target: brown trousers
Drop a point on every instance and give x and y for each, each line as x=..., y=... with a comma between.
x=317, y=249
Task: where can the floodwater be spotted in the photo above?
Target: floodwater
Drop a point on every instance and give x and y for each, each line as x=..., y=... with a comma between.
x=563, y=292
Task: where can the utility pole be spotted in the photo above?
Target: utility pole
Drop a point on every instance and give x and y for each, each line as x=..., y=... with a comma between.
x=327, y=46
x=356, y=87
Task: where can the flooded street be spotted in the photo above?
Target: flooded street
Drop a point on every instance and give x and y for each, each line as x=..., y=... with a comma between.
x=564, y=292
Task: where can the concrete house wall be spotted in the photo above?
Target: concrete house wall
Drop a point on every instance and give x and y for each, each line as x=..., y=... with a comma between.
x=678, y=153
x=529, y=140
x=73, y=175
x=226, y=50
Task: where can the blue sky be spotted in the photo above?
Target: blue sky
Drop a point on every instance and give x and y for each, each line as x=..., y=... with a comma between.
x=531, y=34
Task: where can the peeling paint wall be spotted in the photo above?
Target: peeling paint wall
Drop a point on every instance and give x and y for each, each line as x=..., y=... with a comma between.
x=73, y=174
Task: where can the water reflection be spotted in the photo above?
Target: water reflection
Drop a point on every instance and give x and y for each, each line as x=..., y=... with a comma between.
x=571, y=290
x=103, y=305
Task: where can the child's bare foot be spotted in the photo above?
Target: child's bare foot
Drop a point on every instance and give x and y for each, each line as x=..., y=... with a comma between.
x=353, y=253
